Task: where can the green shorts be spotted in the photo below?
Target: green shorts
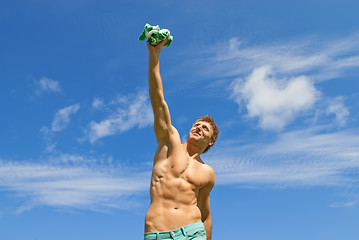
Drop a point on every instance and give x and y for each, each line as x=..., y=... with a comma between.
x=194, y=231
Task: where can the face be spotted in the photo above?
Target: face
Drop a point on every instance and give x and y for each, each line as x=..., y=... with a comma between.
x=202, y=132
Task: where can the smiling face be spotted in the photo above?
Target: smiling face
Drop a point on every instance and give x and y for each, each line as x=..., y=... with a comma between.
x=201, y=132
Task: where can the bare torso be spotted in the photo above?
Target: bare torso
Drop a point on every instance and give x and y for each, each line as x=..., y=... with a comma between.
x=175, y=183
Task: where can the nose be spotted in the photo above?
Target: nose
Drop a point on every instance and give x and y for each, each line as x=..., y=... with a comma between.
x=198, y=128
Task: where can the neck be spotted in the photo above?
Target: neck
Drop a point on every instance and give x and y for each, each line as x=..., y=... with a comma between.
x=193, y=150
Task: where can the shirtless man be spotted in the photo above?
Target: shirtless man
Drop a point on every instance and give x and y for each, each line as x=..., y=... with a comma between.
x=181, y=182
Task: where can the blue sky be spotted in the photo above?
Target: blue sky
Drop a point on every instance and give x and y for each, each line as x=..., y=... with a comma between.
x=279, y=77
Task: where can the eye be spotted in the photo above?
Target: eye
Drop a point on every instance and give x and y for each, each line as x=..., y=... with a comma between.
x=205, y=128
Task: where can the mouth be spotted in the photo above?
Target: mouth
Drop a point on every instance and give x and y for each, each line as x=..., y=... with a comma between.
x=196, y=133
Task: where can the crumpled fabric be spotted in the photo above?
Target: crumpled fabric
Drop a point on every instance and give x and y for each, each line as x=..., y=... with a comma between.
x=155, y=35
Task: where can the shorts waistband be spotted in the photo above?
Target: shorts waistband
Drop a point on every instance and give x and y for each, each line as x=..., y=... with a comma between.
x=170, y=234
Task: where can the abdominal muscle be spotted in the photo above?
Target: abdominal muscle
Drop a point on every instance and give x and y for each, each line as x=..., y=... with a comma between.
x=173, y=204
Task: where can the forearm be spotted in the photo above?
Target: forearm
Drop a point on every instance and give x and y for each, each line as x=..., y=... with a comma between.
x=154, y=78
x=208, y=226
x=204, y=204
x=162, y=119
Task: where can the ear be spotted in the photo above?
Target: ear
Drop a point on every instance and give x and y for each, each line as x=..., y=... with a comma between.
x=211, y=143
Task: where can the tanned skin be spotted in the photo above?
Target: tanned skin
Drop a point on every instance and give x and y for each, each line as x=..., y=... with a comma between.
x=181, y=182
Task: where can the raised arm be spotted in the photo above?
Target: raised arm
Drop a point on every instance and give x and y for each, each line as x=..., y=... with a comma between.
x=162, y=118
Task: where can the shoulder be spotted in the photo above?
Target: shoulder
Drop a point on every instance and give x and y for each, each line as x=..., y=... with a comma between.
x=210, y=174
x=205, y=190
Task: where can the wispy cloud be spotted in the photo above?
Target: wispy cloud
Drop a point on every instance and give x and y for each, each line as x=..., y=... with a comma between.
x=276, y=81
x=71, y=181
x=303, y=158
x=131, y=111
x=322, y=59
x=340, y=111
x=311, y=157
x=47, y=85
x=346, y=204
x=60, y=122
x=62, y=117
x=98, y=103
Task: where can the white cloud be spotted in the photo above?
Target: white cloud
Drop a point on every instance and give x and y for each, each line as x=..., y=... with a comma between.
x=84, y=185
x=340, y=111
x=62, y=117
x=98, y=103
x=47, y=85
x=295, y=65
x=274, y=101
x=131, y=111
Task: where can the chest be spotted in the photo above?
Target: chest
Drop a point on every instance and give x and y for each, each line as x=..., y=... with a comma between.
x=184, y=170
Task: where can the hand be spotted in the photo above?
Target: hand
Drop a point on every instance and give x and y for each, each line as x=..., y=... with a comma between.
x=156, y=49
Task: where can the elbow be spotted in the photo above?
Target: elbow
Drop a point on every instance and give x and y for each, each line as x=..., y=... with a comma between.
x=157, y=97
x=156, y=94
x=159, y=104
x=207, y=218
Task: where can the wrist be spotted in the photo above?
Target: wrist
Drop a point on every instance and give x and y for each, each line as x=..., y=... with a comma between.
x=153, y=57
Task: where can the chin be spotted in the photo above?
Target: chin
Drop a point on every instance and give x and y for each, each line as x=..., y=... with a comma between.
x=192, y=138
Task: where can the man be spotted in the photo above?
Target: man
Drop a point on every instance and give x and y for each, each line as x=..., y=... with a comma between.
x=181, y=182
